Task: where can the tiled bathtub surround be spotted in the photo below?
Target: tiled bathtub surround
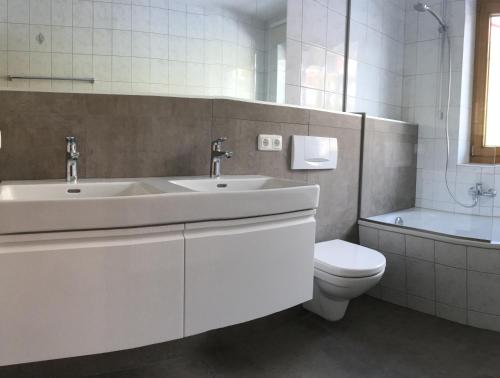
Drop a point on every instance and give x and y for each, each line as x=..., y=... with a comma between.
x=140, y=46
x=448, y=277
x=138, y=136
x=389, y=166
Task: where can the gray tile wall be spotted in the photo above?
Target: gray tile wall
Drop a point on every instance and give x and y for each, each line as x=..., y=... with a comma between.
x=138, y=136
x=452, y=281
x=389, y=166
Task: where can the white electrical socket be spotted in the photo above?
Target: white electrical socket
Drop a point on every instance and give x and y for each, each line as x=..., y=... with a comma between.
x=270, y=142
x=277, y=142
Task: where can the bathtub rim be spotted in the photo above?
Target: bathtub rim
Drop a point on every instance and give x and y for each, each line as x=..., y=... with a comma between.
x=426, y=234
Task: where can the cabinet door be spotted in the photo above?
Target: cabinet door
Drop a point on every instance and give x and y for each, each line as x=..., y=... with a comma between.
x=78, y=293
x=244, y=269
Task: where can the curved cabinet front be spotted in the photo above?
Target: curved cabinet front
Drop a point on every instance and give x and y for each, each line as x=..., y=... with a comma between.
x=65, y=294
x=78, y=293
x=247, y=268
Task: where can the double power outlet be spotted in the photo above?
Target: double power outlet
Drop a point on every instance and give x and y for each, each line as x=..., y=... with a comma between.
x=270, y=142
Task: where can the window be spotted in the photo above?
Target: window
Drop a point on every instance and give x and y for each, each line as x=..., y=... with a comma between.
x=485, y=139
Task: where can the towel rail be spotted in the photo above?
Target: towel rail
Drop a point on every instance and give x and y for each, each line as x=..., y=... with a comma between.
x=85, y=79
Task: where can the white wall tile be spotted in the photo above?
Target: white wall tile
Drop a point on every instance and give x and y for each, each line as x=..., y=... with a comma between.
x=141, y=44
x=159, y=46
x=122, y=43
x=40, y=33
x=121, y=69
x=334, y=81
x=102, y=41
x=3, y=10
x=3, y=36
x=62, y=12
x=294, y=19
x=159, y=71
x=141, y=18
x=313, y=67
x=159, y=21
x=62, y=39
x=102, y=67
x=82, y=65
x=40, y=12
x=314, y=25
x=336, y=32
x=312, y=97
x=18, y=37
x=196, y=51
x=62, y=65
x=177, y=23
x=18, y=11
x=122, y=17
x=177, y=73
x=177, y=48
x=82, y=40
x=102, y=15
x=82, y=13
x=40, y=64
x=140, y=70
x=18, y=63
x=195, y=74
x=195, y=25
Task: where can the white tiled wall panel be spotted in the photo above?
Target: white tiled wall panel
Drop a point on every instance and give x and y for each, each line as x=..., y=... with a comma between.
x=421, y=67
x=146, y=46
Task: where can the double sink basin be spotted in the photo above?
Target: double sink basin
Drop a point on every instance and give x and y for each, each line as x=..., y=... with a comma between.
x=42, y=206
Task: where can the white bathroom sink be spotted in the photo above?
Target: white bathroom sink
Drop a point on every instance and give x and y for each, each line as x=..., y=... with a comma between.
x=62, y=191
x=234, y=184
x=54, y=205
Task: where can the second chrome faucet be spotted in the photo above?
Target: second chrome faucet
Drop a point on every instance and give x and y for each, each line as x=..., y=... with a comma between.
x=72, y=156
x=217, y=155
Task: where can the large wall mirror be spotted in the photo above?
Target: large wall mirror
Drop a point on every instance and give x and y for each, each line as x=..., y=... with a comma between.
x=234, y=48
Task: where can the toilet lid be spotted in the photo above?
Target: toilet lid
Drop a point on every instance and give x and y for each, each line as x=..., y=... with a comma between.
x=344, y=259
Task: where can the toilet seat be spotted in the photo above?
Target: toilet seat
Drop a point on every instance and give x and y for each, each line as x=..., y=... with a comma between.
x=344, y=259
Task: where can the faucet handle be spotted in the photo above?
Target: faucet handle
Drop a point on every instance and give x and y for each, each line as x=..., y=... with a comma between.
x=220, y=140
x=70, y=139
x=217, y=144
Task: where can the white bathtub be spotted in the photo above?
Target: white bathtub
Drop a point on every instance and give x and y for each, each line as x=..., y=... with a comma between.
x=477, y=227
x=440, y=263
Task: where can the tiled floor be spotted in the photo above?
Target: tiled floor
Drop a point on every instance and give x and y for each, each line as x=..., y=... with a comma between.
x=375, y=339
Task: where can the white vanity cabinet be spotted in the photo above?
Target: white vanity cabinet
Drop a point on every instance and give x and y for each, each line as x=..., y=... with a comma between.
x=244, y=269
x=77, y=293
x=65, y=294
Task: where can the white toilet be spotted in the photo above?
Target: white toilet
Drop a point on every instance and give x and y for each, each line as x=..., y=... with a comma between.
x=342, y=271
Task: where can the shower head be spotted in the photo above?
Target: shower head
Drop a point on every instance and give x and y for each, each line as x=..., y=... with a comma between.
x=422, y=7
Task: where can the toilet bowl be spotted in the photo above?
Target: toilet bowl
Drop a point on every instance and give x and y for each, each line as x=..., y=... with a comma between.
x=342, y=271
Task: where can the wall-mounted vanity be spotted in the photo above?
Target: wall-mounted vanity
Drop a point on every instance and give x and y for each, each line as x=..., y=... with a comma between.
x=105, y=265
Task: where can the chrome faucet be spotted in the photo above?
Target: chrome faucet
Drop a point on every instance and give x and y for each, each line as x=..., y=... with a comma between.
x=217, y=155
x=478, y=191
x=72, y=156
